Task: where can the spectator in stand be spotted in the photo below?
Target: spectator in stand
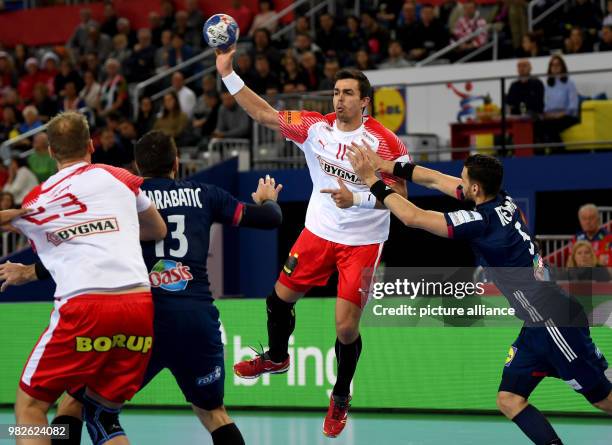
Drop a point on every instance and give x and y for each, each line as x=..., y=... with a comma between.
x=172, y=120
x=7, y=201
x=265, y=81
x=586, y=15
x=377, y=38
x=576, y=44
x=110, y=152
x=186, y=96
x=205, y=120
x=407, y=32
x=39, y=161
x=244, y=68
x=167, y=14
x=127, y=139
x=560, y=104
x=162, y=54
x=71, y=100
x=510, y=17
x=266, y=18
x=146, y=116
x=21, y=180
x=91, y=91
x=330, y=39
x=8, y=126
x=155, y=24
x=302, y=24
x=121, y=50
x=311, y=70
x=531, y=46
x=444, y=11
x=293, y=78
x=8, y=75
x=78, y=40
x=363, y=61
x=66, y=74
x=241, y=13
x=192, y=37
x=396, y=57
x=92, y=64
x=179, y=53
x=430, y=35
x=114, y=91
x=21, y=54
x=389, y=13
x=31, y=119
x=25, y=88
x=141, y=64
x=331, y=67
x=10, y=99
x=109, y=23
x=195, y=20
x=405, y=15
x=98, y=43
x=355, y=38
x=607, y=21
x=233, y=122
x=584, y=265
x=303, y=43
x=526, y=95
x=203, y=108
x=47, y=107
x=49, y=69
x=124, y=27
x=605, y=44
x=470, y=22
x=590, y=225
x=262, y=45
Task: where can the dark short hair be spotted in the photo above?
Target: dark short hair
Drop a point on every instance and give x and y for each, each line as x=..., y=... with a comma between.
x=486, y=171
x=68, y=135
x=365, y=89
x=154, y=154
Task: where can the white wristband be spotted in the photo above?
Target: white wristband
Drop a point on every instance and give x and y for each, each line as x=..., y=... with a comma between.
x=364, y=200
x=233, y=83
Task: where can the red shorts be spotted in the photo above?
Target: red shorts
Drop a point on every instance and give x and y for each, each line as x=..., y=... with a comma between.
x=98, y=340
x=312, y=260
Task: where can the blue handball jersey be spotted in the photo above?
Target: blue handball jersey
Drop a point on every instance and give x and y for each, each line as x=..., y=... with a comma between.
x=177, y=264
x=502, y=244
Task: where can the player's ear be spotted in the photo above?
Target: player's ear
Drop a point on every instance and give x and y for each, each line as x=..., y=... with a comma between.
x=365, y=102
x=90, y=147
x=175, y=167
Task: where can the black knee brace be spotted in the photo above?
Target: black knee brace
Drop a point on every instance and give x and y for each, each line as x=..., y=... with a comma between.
x=102, y=422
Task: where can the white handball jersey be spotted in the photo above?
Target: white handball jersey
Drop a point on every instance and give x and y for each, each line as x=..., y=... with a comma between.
x=85, y=228
x=325, y=146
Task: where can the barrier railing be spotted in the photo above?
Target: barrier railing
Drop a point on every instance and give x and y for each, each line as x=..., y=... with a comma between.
x=456, y=44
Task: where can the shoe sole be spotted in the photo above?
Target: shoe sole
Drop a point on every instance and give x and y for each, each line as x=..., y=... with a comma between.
x=330, y=435
x=280, y=371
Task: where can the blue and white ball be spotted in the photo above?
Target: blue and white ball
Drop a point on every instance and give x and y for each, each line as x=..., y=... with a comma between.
x=221, y=31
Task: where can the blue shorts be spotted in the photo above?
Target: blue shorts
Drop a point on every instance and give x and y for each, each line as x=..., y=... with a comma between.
x=187, y=341
x=566, y=353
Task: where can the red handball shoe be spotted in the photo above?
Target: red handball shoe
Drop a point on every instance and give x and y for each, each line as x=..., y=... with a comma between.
x=261, y=364
x=336, y=417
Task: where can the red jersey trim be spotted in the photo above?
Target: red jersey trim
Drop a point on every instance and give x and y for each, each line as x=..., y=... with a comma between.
x=237, y=214
x=451, y=231
x=130, y=180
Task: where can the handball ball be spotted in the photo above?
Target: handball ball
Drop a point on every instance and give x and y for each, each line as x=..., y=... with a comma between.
x=221, y=31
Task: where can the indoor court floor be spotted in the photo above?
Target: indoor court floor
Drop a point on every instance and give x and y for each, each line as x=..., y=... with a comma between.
x=304, y=428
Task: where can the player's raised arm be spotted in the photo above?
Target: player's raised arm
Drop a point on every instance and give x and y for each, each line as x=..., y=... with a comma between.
x=424, y=176
x=407, y=212
x=257, y=108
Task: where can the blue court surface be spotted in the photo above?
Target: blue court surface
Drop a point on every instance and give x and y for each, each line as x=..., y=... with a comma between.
x=300, y=428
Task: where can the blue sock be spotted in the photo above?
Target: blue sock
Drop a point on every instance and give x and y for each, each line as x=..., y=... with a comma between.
x=535, y=426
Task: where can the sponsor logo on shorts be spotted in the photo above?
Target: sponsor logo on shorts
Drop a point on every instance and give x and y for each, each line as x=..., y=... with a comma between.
x=511, y=355
x=135, y=343
x=170, y=275
x=209, y=378
x=94, y=227
x=290, y=264
x=334, y=170
x=574, y=384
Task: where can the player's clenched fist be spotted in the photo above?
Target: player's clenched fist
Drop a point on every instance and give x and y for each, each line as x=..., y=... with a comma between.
x=266, y=190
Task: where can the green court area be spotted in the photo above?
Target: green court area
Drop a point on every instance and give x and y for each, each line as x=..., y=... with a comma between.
x=300, y=428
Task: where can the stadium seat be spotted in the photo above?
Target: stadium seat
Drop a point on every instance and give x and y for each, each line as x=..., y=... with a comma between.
x=596, y=116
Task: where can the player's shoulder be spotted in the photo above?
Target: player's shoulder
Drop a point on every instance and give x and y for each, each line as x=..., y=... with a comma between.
x=387, y=139
x=31, y=197
x=130, y=180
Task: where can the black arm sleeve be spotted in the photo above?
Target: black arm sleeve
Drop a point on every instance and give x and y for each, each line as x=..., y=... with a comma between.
x=265, y=216
x=41, y=271
x=404, y=170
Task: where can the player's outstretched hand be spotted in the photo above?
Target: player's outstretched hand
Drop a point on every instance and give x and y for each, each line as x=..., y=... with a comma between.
x=342, y=196
x=224, y=61
x=358, y=157
x=266, y=190
x=16, y=274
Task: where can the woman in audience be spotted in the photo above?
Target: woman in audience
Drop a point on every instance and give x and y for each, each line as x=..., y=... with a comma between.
x=583, y=264
x=560, y=105
x=363, y=61
x=172, y=121
x=7, y=201
x=292, y=76
x=531, y=46
x=265, y=18
x=91, y=91
x=146, y=116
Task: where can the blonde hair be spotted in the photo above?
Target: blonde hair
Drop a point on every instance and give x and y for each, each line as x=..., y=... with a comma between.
x=571, y=261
